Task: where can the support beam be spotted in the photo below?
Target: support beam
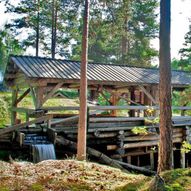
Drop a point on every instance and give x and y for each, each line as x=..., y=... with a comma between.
x=148, y=94
x=52, y=92
x=23, y=96
x=33, y=95
x=18, y=126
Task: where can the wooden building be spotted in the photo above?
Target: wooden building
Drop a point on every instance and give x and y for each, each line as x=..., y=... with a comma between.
x=109, y=132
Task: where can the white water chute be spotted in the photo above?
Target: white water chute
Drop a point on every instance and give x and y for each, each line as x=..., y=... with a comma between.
x=43, y=152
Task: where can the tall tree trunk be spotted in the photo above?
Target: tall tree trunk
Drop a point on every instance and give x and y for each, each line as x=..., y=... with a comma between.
x=82, y=125
x=165, y=144
x=37, y=27
x=54, y=28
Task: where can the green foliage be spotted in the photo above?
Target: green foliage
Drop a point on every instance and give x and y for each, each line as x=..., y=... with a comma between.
x=53, y=23
x=140, y=130
x=8, y=45
x=186, y=147
x=186, y=50
x=4, y=112
x=71, y=94
x=185, y=61
x=102, y=100
x=152, y=121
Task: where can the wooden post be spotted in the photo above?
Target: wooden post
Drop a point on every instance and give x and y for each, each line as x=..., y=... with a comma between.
x=155, y=93
x=147, y=101
x=14, y=104
x=129, y=159
x=152, y=160
x=39, y=97
x=81, y=145
x=132, y=97
x=183, y=160
x=186, y=132
x=114, y=100
x=26, y=117
x=120, y=143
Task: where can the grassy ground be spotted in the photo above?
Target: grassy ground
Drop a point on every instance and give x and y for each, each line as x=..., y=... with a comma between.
x=5, y=104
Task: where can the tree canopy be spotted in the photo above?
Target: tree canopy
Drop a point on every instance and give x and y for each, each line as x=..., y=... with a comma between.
x=120, y=31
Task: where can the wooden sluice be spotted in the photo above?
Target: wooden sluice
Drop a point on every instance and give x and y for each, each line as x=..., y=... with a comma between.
x=129, y=139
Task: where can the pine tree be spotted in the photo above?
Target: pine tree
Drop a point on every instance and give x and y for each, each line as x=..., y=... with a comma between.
x=120, y=32
x=185, y=52
x=8, y=45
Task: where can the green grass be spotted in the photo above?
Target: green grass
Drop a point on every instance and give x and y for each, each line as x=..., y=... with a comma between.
x=5, y=105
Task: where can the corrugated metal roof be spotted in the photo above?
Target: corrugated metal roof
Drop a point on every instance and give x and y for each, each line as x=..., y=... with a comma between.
x=37, y=67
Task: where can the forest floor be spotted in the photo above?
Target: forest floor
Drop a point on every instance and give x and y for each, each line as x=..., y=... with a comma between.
x=72, y=175
x=66, y=175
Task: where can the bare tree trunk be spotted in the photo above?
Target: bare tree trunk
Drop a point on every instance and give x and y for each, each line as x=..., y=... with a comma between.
x=54, y=27
x=37, y=27
x=165, y=144
x=81, y=146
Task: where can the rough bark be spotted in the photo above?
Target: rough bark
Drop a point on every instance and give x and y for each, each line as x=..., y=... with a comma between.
x=165, y=142
x=82, y=126
x=54, y=27
x=37, y=27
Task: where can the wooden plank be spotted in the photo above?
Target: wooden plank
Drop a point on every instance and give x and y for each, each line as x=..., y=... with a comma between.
x=148, y=137
x=73, y=118
x=126, y=107
x=23, y=96
x=135, y=107
x=123, y=119
x=22, y=110
x=16, y=127
x=141, y=144
x=61, y=108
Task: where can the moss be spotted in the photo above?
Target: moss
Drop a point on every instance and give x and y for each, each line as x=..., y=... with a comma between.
x=78, y=187
x=174, y=187
x=4, y=189
x=37, y=187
